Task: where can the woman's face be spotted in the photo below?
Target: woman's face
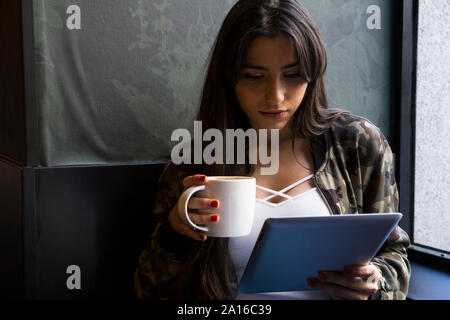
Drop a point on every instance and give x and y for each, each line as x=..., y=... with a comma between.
x=271, y=88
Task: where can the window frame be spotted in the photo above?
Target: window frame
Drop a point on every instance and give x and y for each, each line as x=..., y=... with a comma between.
x=403, y=123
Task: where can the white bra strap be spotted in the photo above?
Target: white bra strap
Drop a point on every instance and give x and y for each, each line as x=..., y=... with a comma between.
x=276, y=193
x=288, y=187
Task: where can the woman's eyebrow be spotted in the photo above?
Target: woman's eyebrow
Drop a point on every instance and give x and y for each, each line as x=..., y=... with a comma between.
x=251, y=66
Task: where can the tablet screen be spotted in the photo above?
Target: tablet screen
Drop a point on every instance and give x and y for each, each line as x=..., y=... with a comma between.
x=291, y=250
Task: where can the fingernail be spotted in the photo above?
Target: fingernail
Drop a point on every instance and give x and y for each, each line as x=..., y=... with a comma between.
x=311, y=283
x=323, y=276
x=214, y=203
x=202, y=178
x=214, y=218
x=202, y=237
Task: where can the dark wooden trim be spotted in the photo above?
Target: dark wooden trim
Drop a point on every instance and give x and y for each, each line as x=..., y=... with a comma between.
x=11, y=232
x=12, y=88
x=10, y=161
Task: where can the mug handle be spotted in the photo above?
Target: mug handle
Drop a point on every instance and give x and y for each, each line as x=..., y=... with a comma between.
x=183, y=210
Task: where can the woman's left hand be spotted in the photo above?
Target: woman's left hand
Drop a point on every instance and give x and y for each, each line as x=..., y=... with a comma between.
x=354, y=283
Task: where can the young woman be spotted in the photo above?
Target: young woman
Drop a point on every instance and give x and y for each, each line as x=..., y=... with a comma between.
x=266, y=72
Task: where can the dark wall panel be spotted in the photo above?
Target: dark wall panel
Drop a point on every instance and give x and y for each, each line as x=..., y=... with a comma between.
x=98, y=218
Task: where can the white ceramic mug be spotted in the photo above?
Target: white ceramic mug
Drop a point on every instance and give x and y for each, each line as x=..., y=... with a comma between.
x=237, y=197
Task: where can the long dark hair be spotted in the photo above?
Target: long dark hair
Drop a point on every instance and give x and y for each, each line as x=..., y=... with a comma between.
x=209, y=273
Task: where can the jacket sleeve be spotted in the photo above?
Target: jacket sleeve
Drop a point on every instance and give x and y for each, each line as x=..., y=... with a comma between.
x=381, y=196
x=163, y=259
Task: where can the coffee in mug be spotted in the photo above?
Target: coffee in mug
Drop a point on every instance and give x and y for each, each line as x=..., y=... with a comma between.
x=237, y=197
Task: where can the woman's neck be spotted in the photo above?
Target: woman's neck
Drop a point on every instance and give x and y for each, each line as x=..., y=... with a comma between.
x=285, y=135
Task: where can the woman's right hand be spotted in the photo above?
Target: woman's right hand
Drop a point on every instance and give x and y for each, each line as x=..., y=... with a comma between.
x=179, y=225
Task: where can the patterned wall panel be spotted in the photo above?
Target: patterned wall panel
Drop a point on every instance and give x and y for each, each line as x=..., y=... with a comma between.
x=115, y=89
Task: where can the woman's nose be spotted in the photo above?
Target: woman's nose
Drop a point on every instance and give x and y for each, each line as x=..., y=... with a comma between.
x=274, y=91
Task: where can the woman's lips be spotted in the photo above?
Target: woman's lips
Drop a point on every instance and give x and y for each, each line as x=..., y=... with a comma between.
x=274, y=114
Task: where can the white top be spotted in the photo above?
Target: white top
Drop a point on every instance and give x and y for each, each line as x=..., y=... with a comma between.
x=307, y=204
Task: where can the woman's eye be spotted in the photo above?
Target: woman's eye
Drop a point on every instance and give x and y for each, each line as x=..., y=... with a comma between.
x=260, y=76
x=252, y=76
x=293, y=75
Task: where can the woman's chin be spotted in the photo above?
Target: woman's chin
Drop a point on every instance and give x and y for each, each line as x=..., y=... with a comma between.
x=272, y=126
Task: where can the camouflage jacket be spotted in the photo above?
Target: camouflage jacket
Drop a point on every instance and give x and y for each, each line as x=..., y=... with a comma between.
x=354, y=171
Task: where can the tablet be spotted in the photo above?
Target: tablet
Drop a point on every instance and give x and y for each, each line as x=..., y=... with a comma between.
x=291, y=250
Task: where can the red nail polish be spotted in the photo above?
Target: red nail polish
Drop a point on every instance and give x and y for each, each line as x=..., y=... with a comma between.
x=323, y=276
x=214, y=218
x=202, y=178
x=203, y=237
x=214, y=203
x=311, y=283
x=347, y=271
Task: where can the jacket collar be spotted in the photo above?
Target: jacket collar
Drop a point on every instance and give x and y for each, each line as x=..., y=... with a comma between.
x=319, y=147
